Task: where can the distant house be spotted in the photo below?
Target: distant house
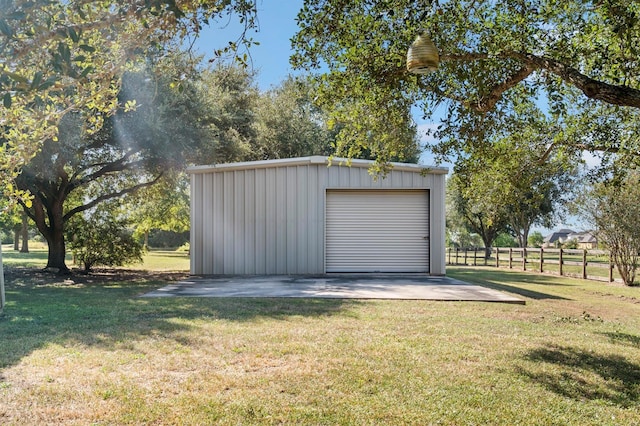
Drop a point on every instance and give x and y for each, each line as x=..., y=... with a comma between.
x=586, y=240
x=557, y=238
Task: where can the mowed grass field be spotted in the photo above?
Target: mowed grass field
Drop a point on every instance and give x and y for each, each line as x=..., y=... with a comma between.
x=88, y=350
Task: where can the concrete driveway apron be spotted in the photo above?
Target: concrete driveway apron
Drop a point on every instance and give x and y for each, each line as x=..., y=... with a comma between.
x=350, y=286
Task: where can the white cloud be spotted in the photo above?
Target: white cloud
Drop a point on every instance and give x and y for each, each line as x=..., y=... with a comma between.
x=423, y=128
x=591, y=159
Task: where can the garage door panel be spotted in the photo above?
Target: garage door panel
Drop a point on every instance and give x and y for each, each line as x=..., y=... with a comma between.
x=377, y=230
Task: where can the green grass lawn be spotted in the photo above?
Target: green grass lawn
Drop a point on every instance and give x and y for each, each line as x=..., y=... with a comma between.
x=87, y=350
x=157, y=260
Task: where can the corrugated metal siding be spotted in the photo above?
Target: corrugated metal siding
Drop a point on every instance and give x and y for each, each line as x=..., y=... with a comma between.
x=271, y=220
x=377, y=231
x=263, y=221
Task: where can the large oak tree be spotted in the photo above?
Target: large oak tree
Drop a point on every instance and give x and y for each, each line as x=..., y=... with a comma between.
x=59, y=56
x=574, y=56
x=157, y=131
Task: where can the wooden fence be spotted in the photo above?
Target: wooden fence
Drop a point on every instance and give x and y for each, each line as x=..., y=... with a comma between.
x=585, y=264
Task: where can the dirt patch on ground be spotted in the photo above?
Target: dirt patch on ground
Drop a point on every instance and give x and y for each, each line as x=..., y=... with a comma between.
x=620, y=297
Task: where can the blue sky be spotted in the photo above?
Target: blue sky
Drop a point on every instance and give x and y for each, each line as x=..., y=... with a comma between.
x=276, y=27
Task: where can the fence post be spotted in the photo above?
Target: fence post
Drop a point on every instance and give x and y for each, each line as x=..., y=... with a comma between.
x=449, y=256
x=541, y=259
x=465, y=256
x=475, y=255
x=524, y=258
x=584, y=264
x=560, y=262
x=510, y=258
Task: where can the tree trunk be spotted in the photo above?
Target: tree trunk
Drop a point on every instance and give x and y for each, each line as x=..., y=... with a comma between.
x=57, y=252
x=25, y=233
x=16, y=239
x=53, y=232
x=525, y=236
x=488, y=242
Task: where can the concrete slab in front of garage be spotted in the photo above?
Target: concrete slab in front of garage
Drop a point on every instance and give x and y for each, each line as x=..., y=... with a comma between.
x=349, y=286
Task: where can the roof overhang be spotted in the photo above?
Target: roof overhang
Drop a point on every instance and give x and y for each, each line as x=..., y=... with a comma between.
x=301, y=161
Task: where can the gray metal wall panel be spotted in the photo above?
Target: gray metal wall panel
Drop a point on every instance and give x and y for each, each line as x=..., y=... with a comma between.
x=270, y=214
x=261, y=222
x=196, y=219
x=437, y=224
x=239, y=223
x=207, y=233
x=291, y=242
x=271, y=220
x=218, y=224
x=318, y=176
x=281, y=221
x=301, y=227
x=249, y=250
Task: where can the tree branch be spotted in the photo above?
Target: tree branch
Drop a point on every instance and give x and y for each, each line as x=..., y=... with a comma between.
x=110, y=196
x=26, y=209
x=594, y=89
x=486, y=103
x=106, y=168
x=613, y=94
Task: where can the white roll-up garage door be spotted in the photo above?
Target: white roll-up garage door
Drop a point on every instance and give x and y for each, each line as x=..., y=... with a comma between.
x=377, y=231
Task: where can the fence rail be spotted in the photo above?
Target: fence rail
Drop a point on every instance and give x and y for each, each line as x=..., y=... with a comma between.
x=585, y=264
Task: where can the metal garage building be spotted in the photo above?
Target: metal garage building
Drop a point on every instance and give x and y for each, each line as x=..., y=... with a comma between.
x=299, y=216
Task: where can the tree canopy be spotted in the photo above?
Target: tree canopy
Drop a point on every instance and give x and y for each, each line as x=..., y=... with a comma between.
x=613, y=208
x=288, y=124
x=513, y=183
x=159, y=130
x=62, y=56
x=495, y=59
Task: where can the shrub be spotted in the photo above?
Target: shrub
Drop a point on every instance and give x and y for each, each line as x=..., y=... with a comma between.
x=167, y=239
x=570, y=244
x=102, y=240
x=536, y=239
x=505, y=240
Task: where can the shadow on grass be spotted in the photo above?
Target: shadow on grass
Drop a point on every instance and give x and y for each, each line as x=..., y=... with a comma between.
x=624, y=339
x=98, y=311
x=488, y=278
x=580, y=374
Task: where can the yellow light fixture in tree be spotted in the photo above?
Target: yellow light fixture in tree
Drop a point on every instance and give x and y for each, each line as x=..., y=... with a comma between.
x=422, y=56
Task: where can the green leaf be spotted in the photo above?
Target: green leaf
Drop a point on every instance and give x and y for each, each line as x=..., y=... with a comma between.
x=65, y=53
x=48, y=83
x=17, y=16
x=17, y=77
x=5, y=28
x=86, y=71
x=74, y=35
x=87, y=48
x=37, y=79
x=6, y=100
